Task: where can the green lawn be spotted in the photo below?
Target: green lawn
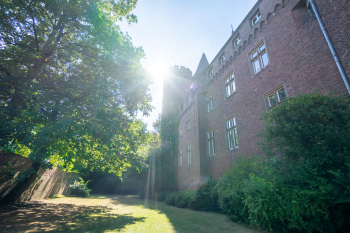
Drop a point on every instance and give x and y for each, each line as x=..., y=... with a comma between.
x=111, y=214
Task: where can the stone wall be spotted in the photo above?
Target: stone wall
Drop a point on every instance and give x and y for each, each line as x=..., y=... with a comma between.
x=43, y=185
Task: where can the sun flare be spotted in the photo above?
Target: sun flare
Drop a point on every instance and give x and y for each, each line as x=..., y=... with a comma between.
x=159, y=71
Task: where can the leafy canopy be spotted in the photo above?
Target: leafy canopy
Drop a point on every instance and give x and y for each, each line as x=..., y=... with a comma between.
x=71, y=83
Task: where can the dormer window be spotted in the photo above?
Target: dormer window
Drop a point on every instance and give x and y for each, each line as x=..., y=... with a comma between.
x=211, y=73
x=256, y=18
x=222, y=59
x=236, y=42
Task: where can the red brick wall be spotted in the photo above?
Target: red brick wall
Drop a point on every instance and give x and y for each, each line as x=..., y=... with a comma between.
x=335, y=15
x=299, y=57
x=189, y=174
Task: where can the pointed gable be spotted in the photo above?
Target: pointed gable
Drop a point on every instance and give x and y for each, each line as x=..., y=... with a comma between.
x=203, y=64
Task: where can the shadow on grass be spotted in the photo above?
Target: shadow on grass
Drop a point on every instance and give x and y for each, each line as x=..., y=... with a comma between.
x=62, y=218
x=186, y=220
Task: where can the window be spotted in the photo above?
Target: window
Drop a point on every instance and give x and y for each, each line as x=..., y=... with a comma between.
x=180, y=158
x=236, y=42
x=211, y=73
x=259, y=58
x=189, y=153
x=256, y=18
x=230, y=85
x=180, y=131
x=188, y=123
x=231, y=133
x=222, y=59
x=210, y=103
x=211, y=143
x=275, y=97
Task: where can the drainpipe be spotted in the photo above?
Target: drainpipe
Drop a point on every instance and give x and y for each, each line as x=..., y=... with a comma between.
x=329, y=42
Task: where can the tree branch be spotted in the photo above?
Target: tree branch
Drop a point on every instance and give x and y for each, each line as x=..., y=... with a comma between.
x=36, y=37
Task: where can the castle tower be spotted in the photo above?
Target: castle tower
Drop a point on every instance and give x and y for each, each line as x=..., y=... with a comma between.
x=176, y=85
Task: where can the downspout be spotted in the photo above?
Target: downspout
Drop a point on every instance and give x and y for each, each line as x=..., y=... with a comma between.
x=329, y=42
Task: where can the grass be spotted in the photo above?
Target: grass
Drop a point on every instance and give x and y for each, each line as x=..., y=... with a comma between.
x=111, y=214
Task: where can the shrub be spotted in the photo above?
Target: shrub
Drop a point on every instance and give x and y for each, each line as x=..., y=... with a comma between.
x=307, y=145
x=204, y=197
x=231, y=185
x=79, y=188
x=162, y=195
x=182, y=199
x=170, y=199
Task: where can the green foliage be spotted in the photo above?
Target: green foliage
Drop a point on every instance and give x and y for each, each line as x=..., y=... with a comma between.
x=71, y=84
x=171, y=199
x=182, y=199
x=80, y=188
x=169, y=130
x=204, y=196
x=307, y=142
x=23, y=175
x=308, y=127
x=54, y=196
x=231, y=186
x=162, y=195
x=302, y=184
x=7, y=169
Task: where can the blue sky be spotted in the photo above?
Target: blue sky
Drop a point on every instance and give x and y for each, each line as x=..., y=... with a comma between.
x=178, y=32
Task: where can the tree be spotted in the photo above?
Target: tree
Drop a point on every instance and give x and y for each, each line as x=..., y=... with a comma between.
x=156, y=125
x=71, y=83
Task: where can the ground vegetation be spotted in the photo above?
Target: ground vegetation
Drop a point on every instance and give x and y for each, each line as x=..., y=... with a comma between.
x=301, y=182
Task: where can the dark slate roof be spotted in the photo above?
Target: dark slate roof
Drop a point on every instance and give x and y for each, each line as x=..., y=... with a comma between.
x=203, y=64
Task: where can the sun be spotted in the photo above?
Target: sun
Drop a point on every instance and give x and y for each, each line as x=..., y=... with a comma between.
x=159, y=70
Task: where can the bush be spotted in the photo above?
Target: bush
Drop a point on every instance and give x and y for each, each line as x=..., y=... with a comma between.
x=230, y=187
x=300, y=185
x=204, y=197
x=170, y=199
x=79, y=188
x=162, y=195
x=306, y=141
x=182, y=199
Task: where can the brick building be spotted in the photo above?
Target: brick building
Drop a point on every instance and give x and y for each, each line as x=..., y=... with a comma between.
x=279, y=50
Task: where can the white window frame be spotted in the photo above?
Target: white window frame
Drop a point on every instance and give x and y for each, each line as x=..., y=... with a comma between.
x=231, y=131
x=222, y=59
x=259, y=56
x=180, y=130
x=230, y=84
x=211, y=142
x=237, y=41
x=210, y=102
x=180, y=157
x=189, y=159
x=257, y=16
